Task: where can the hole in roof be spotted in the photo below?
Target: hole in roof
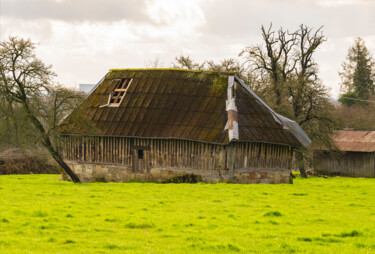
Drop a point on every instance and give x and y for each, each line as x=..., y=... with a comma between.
x=119, y=91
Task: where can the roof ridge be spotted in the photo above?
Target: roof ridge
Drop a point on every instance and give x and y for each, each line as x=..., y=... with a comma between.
x=174, y=69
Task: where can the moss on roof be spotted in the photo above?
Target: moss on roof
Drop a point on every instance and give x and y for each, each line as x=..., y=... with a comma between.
x=174, y=69
x=175, y=103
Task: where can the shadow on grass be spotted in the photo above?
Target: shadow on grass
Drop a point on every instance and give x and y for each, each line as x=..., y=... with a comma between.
x=139, y=225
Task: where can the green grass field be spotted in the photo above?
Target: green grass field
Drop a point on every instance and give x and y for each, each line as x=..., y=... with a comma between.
x=40, y=214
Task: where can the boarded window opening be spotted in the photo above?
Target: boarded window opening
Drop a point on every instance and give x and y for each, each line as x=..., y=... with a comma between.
x=140, y=154
x=119, y=91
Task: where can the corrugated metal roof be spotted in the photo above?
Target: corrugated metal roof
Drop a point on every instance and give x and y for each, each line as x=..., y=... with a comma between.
x=355, y=141
x=180, y=104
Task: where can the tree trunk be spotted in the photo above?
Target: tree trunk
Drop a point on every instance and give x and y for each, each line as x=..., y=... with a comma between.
x=65, y=166
x=301, y=164
x=48, y=144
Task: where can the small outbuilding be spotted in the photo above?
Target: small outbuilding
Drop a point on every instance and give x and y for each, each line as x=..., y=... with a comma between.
x=171, y=125
x=355, y=155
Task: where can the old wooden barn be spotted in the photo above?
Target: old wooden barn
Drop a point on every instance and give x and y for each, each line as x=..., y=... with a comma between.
x=355, y=155
x=169, y=125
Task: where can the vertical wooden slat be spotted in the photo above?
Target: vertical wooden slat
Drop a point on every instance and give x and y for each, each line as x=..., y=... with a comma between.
x=110, y=150
x=165, y=151
x=106, y=149
x=192, y=154
x=96, y=149
x=187, y=163
x=85, y=144
x=151, y=152
x=120, y=147
x=114, y=152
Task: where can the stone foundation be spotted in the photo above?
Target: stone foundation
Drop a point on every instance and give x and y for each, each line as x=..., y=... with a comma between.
x=120, y=173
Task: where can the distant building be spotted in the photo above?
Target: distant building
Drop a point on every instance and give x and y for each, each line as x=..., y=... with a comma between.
x=355, y=155
x=86, y=88
x=171, y=125
x=334, y=102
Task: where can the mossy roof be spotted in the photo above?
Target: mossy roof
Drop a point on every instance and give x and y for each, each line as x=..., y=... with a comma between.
x=174, y=103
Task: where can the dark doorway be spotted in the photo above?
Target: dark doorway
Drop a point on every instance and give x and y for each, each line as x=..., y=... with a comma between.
x=140, y=154
x=140, y=158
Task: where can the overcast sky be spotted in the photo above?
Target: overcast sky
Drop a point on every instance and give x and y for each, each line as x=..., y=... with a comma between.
x=83, y=39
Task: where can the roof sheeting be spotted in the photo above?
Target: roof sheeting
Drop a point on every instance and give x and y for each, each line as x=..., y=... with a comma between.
x=257, y=123
x=167, y=103
x=355, y=141
x=288, y=124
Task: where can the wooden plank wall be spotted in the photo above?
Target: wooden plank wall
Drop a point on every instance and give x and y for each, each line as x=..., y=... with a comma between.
x=96, y=149
x=176, y=153
x=359, y=164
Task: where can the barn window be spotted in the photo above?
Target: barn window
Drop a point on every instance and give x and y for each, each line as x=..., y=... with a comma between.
x=140, y=154
x=119, y=91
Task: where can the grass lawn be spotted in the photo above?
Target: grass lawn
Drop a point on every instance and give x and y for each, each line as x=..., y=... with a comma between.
x=39, y=214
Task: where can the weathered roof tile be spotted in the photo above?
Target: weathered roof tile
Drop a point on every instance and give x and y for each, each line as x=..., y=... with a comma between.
x=178, y=104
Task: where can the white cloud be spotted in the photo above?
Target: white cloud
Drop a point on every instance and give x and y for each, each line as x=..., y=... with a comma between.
x=334, y=3
x=83, y=39
x=76, y=10
x=171, y=11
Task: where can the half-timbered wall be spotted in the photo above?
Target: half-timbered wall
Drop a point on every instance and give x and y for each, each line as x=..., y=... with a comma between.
x=172, y=153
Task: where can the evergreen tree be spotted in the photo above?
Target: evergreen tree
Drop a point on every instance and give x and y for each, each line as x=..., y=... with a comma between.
x=358, y=74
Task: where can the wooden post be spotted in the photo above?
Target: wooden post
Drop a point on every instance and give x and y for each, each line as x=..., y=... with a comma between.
x=230, y=160
x=301, y=164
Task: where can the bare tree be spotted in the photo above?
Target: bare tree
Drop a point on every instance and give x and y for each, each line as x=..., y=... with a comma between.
x=27, y=82
x=252, y=79
x=15, y=129
x=289, y=71
x=155, y=63
x=274, y=59
x=185, y=62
